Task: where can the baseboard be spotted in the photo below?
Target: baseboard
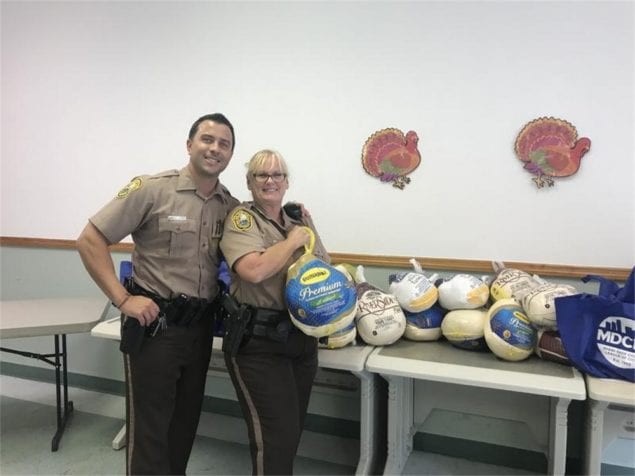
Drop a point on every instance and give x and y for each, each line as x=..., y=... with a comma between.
x=86, y=382
x=612, y=470
x=322, y=424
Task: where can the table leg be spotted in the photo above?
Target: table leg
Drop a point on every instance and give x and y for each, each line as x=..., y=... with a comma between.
x=594, y=436
x=368, y=434
x=61, y=379
x=400, y=423
x=558, y=436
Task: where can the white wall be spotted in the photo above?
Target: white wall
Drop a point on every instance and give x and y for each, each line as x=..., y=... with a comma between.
x=94, y=93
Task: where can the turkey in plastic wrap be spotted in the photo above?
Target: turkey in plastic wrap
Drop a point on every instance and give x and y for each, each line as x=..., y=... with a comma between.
x=321, y=299
x=414, y=291
x=510, y=283
x=539, y=303
x=463, y=291
x=347, y=335
x=339, y=339
x=508, y=332
x=424, y=325
x=380, y=320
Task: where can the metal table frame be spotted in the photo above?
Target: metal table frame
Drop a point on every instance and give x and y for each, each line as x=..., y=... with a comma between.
x=57, y=317
x=404, y=362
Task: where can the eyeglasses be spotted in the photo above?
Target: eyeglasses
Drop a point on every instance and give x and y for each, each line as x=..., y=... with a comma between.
x=276, y=177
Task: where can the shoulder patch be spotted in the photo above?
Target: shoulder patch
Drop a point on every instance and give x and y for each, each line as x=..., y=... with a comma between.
x=242, y=219
x=135, y=184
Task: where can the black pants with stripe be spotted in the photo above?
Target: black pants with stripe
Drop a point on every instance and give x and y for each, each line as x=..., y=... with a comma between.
x=165, y=384
x=273, y=383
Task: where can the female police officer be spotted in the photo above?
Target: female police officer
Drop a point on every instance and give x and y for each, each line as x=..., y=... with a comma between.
x=273, y=371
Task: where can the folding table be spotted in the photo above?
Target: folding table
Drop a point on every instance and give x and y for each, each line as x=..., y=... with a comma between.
x=405, y=361
x=56, y=317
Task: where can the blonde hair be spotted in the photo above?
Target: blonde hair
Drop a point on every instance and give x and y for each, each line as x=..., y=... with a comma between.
x=263, y=156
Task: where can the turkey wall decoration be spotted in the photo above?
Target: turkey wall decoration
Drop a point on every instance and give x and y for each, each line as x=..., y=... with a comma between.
x=390, y=156
x=550, y=147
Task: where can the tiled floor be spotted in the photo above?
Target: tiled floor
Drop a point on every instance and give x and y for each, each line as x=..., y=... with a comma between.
x=27, y=425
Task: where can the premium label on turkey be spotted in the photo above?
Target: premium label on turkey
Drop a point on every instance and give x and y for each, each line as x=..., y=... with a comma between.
x=320, y=294
x=320, y=298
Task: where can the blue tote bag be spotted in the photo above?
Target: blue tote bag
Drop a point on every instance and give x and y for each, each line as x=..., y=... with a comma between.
x=598, y=331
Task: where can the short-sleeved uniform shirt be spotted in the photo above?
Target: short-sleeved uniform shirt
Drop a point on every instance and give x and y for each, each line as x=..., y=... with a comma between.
x=248, y=229
x=176, y=232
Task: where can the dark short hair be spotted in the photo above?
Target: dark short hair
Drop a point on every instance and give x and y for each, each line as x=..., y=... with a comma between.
x=216, y=117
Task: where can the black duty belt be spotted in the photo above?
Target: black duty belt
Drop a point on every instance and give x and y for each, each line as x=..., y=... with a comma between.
x=270, y=323
x=181, y=311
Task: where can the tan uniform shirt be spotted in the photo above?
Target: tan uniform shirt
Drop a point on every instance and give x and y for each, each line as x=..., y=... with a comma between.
x=248, y=229
x=176, y=232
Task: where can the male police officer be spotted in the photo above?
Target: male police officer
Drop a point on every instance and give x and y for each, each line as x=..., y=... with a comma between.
x=176, y=220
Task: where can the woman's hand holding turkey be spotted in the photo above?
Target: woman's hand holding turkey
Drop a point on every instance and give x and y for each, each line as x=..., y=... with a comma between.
x=299, y=236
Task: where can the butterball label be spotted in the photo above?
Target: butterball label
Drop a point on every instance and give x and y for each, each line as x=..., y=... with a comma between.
x=314, y=275
x=614, y=339
x=511, y=325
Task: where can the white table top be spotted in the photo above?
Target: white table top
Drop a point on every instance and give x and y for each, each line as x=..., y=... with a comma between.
x=108, y=329
x=441, y=362
x=611, y=390
x=351, y=357
x=43, y=317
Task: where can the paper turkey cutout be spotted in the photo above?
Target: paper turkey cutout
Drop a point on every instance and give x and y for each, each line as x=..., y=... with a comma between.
x=550, y=147
x=390, y=156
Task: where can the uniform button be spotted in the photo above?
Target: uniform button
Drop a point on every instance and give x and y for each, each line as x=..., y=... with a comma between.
x=204, y=223
x=204, y=245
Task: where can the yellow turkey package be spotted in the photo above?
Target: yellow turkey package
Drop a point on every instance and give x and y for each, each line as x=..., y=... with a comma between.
x=321, y=299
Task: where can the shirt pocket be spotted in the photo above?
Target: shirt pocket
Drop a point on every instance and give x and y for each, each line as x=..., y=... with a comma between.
x=214, y=242
x=182, y=236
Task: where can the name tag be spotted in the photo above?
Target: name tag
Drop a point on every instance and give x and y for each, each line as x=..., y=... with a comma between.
x=176, y=218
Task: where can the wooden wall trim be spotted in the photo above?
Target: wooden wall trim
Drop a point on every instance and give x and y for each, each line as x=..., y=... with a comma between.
x=23, y=242
x=449, y=264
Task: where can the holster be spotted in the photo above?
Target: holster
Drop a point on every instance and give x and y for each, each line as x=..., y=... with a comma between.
x=132, y=333
x=237, y=319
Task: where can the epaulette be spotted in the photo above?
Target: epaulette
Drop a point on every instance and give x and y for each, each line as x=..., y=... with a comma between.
x=140, y=180
x=166, y=173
